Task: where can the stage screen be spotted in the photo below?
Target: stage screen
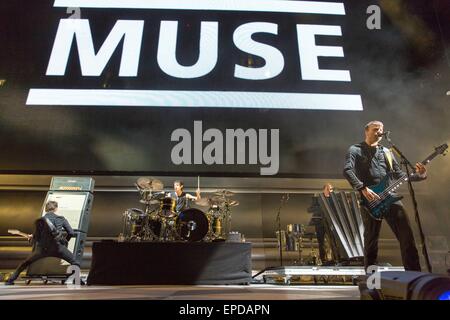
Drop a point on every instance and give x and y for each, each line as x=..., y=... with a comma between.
x=234, y=88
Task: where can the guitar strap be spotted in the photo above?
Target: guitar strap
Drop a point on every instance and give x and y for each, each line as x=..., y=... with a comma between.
x=55, y=233
x=50, y=225
x=388, y=155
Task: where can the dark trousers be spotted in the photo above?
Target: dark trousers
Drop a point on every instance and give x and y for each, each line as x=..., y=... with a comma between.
x=320, y=234
x=399, y=223
x=59, y=251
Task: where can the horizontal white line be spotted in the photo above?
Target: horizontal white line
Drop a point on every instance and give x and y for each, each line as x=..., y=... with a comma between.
x=313, y=7
x=171, y=98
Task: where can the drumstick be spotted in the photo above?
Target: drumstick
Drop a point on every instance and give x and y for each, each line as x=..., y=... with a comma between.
x=198, y=182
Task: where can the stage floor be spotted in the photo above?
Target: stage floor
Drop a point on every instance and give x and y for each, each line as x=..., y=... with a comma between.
x=20, y=291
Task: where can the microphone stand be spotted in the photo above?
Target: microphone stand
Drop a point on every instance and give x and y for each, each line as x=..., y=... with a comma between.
x=409, y=166
x=284, y=200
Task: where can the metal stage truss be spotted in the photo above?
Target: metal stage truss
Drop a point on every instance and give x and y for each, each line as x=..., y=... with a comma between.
x=318, y=274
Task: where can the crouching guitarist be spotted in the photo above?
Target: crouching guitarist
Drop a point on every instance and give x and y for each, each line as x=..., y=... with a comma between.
x=50, y=239
x=368, y=163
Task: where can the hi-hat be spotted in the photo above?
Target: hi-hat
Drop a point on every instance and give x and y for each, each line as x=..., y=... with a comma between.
x=149, y=183
x=222, y=201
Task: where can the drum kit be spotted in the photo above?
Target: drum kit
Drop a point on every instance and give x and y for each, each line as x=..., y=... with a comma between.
x=160, y=221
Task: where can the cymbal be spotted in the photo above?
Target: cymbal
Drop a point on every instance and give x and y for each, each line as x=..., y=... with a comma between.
x=233, y=203
x=222, y=201
x=150, y=183
x=218, y=199
x=224, y=193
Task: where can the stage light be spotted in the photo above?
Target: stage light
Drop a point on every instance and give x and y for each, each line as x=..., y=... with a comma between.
x=445, y=296
x=408, y=285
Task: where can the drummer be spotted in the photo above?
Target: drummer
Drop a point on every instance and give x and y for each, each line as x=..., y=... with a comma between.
x=182, y=198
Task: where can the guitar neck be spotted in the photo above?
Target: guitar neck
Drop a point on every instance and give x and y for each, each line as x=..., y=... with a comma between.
x=18, y=233
x=397, y=183
x=429, y=158
x=440, y=150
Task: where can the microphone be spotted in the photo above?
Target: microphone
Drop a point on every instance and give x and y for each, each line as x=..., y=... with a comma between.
x=384, y=134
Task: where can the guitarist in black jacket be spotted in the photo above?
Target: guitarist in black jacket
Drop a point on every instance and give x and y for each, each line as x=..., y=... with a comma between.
x=50, y=239
x=367, y=163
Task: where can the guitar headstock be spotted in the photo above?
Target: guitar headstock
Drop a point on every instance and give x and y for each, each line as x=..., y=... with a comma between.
x=442, y=149
x=14, y=231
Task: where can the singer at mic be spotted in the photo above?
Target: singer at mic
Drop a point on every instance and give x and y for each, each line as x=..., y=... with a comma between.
x=367, y=164
x=383, y=134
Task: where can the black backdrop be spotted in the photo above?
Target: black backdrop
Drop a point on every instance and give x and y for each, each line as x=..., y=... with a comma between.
x=401, y=72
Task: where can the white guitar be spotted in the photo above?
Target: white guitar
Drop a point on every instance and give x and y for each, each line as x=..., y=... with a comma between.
x=20, y=233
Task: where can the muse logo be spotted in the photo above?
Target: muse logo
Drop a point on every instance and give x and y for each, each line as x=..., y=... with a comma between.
x=130, y=34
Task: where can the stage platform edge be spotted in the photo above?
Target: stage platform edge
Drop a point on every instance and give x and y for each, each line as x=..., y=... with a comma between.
x=170, y=263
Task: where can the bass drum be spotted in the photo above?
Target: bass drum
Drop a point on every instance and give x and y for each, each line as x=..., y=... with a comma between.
x=192, y=225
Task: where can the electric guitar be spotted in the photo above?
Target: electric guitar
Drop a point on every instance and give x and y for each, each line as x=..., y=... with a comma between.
x=61, y=238
x=18, y=233
x=380, y=207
